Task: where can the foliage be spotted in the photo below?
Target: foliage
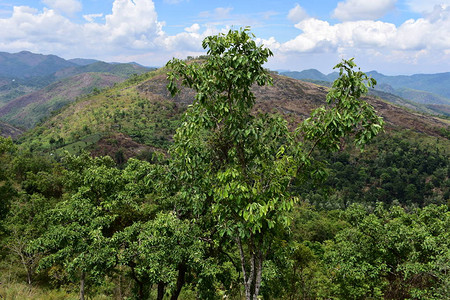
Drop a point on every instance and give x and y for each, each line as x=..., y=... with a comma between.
x=120, y=109
x=240, y=166
x=236, y=205
x=401, y=168
x=392, y=254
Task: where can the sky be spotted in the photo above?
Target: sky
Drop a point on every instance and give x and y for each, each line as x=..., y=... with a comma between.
x=393, y=37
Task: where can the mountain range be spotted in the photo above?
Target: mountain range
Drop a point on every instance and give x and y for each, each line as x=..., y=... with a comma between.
x=430, y=91
x=32, y=86
x=139, y=115
x=82, y=103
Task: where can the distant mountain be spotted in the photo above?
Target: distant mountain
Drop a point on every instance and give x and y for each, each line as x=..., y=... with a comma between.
x=421, y=96
x=121, y=70
x=25, y=72
x=312, y=74
x=438, y=84
x=28, y=110
x=26, y=64
x=83, y=61
x=417, y=91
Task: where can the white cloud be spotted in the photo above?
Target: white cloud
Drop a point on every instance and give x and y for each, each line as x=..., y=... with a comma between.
x=352, y=10
x=297, y=14
x=68, y=7
x=132, y=26
x=422, y=6
x=424, y=41
x=130, y=31
x=428, y=33
x=91, y=17
x=193, y=29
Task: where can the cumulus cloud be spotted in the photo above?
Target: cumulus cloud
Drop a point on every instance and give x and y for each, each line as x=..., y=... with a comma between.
x=352, y=10
x=132, y=25
x=416, y=40
x=432, y=32
x=421, y=6
x=131, y=30
x=297, y=14
x=194, y=28
x=91, y=17
x=68, y=7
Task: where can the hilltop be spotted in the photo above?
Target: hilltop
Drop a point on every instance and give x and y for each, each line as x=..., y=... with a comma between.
x=140, y=114
x=26, y=64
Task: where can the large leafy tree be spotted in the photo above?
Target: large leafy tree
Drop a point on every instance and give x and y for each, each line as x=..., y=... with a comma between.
x=6, y=188
x=392, y=253
x=79, y=227
x=237, y=166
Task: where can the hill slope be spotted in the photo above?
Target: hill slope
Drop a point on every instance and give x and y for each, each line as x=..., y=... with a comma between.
x=142, y=110
x=7, y=130
x=27, y=110
x=25, y=72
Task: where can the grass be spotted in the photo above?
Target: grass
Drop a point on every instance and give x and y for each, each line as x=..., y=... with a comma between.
x=20, y=291
x=77, y=147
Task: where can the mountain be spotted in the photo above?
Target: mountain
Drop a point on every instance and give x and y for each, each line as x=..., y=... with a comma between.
x=25, y=72
x=7, y=130
x=438, y=84
x=417, y=91
x=83, y=61
x=312, y=74
x=26, y=64
x=28, y=110
x=422, y=97
x=123, y=70
x=140, y=114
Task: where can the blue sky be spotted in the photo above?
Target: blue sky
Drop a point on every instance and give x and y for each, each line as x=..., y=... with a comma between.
x=390, y=36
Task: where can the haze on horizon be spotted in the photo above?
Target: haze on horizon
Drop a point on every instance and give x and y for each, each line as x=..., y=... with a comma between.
x=390, y=36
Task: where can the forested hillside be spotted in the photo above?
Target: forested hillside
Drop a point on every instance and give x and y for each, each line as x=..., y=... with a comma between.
x=32, y=86
x=28, y=110
x=213, y=178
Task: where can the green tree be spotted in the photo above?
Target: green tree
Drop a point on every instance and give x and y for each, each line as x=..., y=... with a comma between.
x=79, y=227
x=392, y=253
x=240, y=166
x=26, y=222
x=7, y=191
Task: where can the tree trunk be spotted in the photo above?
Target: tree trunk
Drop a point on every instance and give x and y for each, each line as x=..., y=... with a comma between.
x=141, y=290
x=82, y=285
x=139, y=283
x=253, y=278
x=258, y=278
x=29, y=275
x=161, y=287
x=180, y=281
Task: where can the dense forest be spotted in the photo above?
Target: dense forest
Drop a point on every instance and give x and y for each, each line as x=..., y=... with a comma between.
x=239, y=205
